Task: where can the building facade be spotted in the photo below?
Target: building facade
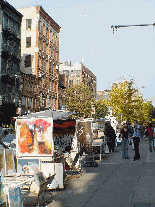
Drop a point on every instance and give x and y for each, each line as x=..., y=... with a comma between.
x=63, y=86
x=40, y=56
x=10, y=47
x=78, y=73
x=103, y=94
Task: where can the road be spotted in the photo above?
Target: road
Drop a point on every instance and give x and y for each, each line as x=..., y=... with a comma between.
x=114, y=183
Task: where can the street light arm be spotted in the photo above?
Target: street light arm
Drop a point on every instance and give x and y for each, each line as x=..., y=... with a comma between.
x=136, y=25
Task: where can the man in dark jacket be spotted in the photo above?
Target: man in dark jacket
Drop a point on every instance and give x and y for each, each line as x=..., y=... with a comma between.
x=110, y=134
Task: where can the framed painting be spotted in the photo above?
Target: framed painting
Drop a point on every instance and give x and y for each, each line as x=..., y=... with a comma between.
x=10, y=164
x=34, y=137
x=27, y=166
x=15, y=197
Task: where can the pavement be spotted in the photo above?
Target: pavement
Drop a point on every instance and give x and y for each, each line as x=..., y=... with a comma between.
x=116, y=182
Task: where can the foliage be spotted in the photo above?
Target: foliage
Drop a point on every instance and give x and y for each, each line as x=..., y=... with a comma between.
x=100, y=109
x=79, y=99
x=127, y=102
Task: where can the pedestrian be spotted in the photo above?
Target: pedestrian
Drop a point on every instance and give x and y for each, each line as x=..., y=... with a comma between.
x=130, y=133
x=110, y=134
x=124, y=134
x=136, y=140
x=146, y=132
x=151, y=137
x=142, y=131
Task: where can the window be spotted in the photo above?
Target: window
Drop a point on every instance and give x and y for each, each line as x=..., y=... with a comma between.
x=23, y=100
x=46, y=48
x=53, y=37
x=39, y=43
x=28, y=42
x=43, y=29
x=27, y=61
x=28, y=24
x=53, y=53
x=39, y=26
x=46, y=31
x=43, y=46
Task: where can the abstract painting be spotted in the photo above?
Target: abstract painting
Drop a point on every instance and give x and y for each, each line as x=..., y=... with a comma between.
x=34, y=137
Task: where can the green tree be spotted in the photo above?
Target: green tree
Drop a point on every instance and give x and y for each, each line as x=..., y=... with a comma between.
x=100, y=109
x=79, y=99
x=128, y=103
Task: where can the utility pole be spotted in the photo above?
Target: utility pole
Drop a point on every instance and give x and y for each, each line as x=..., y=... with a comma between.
x=117, y=27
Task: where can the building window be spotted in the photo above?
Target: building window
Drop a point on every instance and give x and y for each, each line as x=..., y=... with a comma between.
x=43, y=46
x=39, y=43
x=42, y=64
x=53, y=37
x=28, y=61
x=46, y=48
x=39, y=26
x=28, y=42
x=28, y=24
x=47, y=32
x=43, y=29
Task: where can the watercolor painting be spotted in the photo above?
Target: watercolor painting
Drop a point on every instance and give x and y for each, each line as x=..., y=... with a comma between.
x=27, y=166
x=34, y=137
x=15, y=197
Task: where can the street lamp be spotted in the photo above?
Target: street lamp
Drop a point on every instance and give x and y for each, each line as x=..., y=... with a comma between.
x=15, y=89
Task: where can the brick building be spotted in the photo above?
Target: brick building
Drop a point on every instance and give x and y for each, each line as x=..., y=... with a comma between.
x=103, y=94
x=40, y=58
x=10, y=49
x=63, y=86
x=78, y=73
x=10, y=36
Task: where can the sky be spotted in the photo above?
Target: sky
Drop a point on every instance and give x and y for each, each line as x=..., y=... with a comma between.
x=86, y=33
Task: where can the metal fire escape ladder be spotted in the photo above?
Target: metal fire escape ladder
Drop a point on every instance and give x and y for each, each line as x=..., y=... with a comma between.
x=117, y=27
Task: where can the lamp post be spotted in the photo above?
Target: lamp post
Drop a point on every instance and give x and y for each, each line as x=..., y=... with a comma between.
x=15, y=90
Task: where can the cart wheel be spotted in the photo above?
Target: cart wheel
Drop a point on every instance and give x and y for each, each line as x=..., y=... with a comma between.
x=95, y=164
x=83, y=170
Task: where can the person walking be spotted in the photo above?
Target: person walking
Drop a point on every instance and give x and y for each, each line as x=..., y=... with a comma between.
x=136, y=140
x=110, y=134
x=130, y=133
x=142, y=131
x=124, y=134
x=151, y=137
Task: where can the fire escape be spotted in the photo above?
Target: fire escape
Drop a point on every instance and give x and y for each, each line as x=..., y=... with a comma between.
x=10, y=70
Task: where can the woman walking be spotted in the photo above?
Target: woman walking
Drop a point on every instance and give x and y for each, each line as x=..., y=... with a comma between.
x=151, y=137
x=125, y=142
x=136, y=140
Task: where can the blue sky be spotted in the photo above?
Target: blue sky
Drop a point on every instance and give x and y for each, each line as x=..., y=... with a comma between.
x=85, y=33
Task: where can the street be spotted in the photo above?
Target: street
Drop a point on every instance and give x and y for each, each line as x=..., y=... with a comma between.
x=115, y=182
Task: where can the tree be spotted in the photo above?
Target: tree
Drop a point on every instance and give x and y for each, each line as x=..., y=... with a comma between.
x=127, y=102
x=100, y=109
x=79, y=99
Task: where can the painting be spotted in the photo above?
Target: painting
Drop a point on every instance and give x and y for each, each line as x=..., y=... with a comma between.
x=27, y=166
x=2, y=162
x=63, y=133
x=84, y=133
x=34, y=137
x=10, y=165
x=15, y=197
x=98, y=129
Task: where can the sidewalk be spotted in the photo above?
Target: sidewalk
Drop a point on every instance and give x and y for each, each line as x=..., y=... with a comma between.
x=115, y=182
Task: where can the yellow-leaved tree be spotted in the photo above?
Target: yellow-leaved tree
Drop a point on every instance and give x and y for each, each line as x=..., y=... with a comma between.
x=127, y=102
